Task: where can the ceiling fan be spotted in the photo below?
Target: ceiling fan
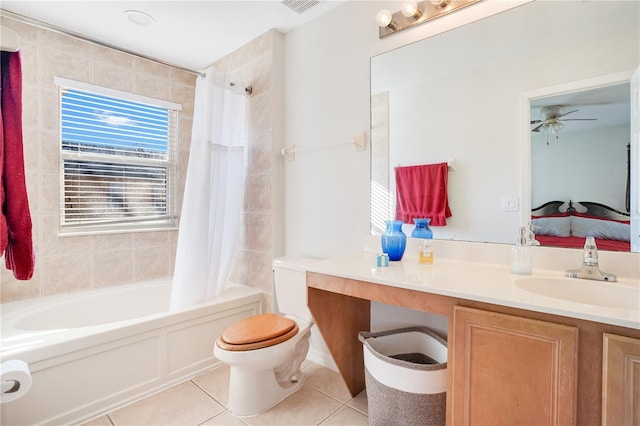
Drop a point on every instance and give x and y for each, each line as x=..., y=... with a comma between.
x=553, y=119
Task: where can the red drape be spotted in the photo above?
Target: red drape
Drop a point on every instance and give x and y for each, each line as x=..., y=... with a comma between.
x=421, y=192
x=15, y=221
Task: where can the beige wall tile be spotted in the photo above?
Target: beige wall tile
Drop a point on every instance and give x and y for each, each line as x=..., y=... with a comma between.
x=63, y=273
x=112, y=267
x=152, y=262
x=150, y=255
x=72, y=263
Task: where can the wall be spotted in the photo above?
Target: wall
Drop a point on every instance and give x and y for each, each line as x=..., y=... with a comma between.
x=597, y=170
x=80, y=262
x=327, y=100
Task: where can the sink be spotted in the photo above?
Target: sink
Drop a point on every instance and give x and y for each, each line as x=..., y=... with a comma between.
x=612, y=295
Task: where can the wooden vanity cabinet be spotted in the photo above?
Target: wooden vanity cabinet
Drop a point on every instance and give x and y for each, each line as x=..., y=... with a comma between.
x=509, y=370
x=620, y=380
x=506, y=365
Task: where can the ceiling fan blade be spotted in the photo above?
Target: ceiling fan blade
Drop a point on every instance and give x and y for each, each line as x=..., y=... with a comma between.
x=538, y=127
x=566, y=113
x=578, y=119
x=536, y=121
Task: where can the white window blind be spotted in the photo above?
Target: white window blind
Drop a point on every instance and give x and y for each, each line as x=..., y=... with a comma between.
x=117, y=154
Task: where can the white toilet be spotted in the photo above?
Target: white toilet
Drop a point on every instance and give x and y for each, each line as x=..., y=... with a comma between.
x=264, y=352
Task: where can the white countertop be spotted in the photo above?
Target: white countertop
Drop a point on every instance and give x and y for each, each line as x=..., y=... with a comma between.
x=616, y=303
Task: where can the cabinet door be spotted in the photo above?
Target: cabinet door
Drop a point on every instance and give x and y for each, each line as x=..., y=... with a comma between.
x=620, y=380
x=508, y=370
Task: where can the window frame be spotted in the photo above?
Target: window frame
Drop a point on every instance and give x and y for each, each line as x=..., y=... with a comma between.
x=168, y=221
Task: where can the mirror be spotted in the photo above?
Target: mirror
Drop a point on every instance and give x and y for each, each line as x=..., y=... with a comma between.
x=461, y=97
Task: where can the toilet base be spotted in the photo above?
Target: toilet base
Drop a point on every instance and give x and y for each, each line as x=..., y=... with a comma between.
x=259, y=392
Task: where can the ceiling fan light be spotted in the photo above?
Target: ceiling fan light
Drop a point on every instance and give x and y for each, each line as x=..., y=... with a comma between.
x=556, y=127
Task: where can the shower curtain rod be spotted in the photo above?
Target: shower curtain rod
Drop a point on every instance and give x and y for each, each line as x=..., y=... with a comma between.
x=44, y=25
x=11, y=41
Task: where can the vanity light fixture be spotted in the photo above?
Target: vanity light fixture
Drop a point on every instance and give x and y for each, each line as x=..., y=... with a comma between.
x=414, y=13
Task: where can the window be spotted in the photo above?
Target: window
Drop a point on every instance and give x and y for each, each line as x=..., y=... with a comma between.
x=117, y=153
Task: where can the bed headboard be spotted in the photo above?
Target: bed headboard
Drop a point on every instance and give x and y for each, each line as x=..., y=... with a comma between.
x=600, y=210
x=551, y=208
x=559, y=208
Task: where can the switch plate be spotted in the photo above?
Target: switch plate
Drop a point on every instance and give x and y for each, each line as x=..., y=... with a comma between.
x=510, y=204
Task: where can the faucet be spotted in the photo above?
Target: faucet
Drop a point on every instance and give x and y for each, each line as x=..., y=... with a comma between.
x=590, y=269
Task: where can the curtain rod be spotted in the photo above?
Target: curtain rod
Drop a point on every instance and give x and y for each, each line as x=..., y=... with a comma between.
x=44, y=25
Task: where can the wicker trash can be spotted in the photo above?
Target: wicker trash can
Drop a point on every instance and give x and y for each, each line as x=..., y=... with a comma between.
x=405, y=376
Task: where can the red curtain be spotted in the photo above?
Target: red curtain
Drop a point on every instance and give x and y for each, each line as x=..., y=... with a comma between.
x=15, y=220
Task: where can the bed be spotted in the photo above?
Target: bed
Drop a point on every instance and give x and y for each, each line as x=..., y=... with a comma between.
x=567, y=224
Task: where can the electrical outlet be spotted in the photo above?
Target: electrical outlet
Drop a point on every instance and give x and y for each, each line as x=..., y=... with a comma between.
x=510, y=204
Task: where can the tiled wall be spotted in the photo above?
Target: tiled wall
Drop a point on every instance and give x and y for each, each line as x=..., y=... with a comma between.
x=74, y=263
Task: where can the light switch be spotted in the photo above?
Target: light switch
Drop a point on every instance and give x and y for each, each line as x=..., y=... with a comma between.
x=510, y=204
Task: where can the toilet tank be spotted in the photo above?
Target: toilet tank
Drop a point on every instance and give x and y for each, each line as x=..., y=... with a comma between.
x=290, y=283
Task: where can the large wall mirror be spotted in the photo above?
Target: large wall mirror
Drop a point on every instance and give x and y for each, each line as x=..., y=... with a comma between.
x=465, y=97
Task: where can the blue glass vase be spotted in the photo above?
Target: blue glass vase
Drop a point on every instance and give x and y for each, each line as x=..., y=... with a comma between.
x=394, y=241
x=422, y=229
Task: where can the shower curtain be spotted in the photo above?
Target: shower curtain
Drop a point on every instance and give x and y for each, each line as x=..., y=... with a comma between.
x=211, y=209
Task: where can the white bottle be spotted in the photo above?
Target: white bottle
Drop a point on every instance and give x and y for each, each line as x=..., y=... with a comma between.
x=521, y=263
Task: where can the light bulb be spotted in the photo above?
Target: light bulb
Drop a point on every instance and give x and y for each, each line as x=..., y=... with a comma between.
x=410, y=9
x=384, y=18
x=556, y=127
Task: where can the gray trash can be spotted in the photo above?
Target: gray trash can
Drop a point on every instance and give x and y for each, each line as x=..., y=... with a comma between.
x=405, y=376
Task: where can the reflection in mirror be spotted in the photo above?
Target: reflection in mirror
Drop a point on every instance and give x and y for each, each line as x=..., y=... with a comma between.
x=580, y=168
x=459, y=95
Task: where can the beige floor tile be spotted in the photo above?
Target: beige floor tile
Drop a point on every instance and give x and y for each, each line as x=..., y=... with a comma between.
x=305, y=407
x=346, y=417
x=184, y=404
x=216, y=383
x=360, y=403
x=325, y=380
x=100, y=421
x=224, y=419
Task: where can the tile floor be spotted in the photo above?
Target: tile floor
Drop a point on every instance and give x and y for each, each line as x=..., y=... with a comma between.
x=323, y=400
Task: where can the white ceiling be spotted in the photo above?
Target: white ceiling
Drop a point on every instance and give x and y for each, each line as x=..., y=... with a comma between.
x=189, y=34
x=609, y=105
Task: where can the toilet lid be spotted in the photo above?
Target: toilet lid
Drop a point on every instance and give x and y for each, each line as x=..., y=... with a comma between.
x=257, y=332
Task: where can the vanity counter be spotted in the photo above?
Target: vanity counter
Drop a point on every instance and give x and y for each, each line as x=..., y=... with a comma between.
x=495, y=284
x=532, y=317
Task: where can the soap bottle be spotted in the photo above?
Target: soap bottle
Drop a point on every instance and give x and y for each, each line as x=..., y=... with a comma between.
x=521, y=255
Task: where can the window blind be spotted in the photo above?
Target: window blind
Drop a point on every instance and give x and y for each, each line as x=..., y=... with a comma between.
x=117, y=161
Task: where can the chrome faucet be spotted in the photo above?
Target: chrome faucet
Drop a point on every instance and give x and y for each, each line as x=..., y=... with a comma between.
x=590, y=269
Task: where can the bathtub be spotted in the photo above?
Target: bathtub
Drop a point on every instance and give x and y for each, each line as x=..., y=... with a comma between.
x=93, y=351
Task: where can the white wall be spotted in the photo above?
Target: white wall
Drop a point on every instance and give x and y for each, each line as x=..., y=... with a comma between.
x=597, y=170
x=327, y=95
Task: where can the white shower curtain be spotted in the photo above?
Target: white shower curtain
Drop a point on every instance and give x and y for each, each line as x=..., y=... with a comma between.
x=211, y=208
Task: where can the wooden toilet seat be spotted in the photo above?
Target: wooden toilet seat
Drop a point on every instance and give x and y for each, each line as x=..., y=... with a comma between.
x=257, y=332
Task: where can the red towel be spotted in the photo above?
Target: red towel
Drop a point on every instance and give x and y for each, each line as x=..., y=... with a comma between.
x=421, y=191
x=15, y=220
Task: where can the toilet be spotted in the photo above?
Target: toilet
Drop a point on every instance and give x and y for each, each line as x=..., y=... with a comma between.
x=264, y=352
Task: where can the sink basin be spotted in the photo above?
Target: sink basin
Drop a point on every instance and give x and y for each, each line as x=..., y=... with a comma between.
x=612, y=295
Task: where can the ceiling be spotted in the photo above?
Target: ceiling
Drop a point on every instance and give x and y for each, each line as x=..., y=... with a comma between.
x=609, y=105
x=188, y=34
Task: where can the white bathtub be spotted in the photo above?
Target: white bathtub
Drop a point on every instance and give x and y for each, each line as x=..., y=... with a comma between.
x=90, y=352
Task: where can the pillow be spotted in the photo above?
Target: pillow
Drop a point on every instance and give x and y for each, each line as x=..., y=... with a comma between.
x=589, y=226
x=555, y=226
